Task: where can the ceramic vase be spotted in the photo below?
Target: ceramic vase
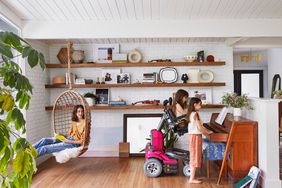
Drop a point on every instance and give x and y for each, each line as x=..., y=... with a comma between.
x=237, y=112
x=90, y=101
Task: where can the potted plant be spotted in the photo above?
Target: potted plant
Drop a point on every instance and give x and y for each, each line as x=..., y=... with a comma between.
x=237, y=102
x=277, y=94
x=90, y=98
x=17, y=164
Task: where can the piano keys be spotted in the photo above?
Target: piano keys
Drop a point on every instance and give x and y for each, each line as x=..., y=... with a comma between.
x=243, y=144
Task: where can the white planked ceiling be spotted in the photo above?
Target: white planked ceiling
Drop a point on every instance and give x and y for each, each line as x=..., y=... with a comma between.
x=144, y=9
x=138, y=40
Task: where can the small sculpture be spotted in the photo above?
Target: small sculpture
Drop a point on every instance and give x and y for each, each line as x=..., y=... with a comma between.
x=184, y=78
x=103, y=80
x=200, y=56
x=98, y=80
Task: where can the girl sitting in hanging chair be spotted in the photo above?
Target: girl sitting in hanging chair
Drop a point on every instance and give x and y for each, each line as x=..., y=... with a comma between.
x=73, y=139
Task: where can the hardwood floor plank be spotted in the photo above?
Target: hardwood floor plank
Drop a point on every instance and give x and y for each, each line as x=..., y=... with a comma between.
x=111, y=173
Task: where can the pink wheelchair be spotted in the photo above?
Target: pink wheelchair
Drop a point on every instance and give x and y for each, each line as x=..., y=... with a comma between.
x=157, y=158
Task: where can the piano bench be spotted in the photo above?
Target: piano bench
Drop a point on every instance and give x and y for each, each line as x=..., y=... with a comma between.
x=212, y=151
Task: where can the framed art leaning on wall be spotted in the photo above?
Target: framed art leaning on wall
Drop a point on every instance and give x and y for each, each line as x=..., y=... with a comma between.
x=137, y=128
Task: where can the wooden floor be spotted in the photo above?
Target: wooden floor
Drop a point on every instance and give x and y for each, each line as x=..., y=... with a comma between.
x=111, y=173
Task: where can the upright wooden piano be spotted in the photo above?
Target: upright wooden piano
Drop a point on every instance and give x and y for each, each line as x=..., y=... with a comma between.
x=243, y=136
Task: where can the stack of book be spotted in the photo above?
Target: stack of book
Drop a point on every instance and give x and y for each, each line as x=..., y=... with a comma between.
x=117, y=103
x=119, y=58
x=149, y=78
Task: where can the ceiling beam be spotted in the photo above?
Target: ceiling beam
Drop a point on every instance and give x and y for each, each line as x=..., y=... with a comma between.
x=262, y=42
x=152, y=29
x=233, y=41
x=9, y=16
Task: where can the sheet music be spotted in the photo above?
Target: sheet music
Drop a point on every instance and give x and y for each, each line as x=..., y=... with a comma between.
x=221, y=116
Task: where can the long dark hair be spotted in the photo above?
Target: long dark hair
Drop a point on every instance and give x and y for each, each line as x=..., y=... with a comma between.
x=191, y=106
x=178, y=99
x=74, y=116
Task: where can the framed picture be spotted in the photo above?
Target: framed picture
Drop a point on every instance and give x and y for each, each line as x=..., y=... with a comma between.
x=102, y=96
x=123, y=78
x=137, y=128
x=103, y=52
x=110, y=75
x=204, y=94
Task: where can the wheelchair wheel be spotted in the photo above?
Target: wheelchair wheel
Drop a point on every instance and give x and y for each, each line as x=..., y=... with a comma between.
x=153, y=168
x=187, y=170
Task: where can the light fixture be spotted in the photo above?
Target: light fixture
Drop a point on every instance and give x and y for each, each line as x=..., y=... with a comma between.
x=250, y=58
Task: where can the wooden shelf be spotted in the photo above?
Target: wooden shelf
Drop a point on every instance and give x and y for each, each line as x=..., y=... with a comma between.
x=139, y=107
x=136, y=85
x=145, y=64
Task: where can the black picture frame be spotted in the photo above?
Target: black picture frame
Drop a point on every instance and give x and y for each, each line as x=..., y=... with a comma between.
x=103, y=96
x=125, y=127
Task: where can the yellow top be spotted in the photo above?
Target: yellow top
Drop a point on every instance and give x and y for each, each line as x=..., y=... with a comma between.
x=77, y=129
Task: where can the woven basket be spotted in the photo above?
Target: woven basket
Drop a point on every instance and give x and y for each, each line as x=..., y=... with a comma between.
x=63, y=56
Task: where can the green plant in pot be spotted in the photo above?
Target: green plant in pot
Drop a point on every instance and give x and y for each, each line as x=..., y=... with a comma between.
x=277, y=94
x=236, y=102
x=17, y=164
x=90, y=98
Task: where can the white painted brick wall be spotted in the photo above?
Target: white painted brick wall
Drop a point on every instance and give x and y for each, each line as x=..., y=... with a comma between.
x=38, y=121
x=107, y=126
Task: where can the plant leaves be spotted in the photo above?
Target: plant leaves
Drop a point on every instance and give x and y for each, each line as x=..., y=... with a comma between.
x=42, y=61
x=6, y=51
x=7, y=102
x=19, y=144
x=18, y=162
x=15, y=41
x=32, y=58
x=26, y=51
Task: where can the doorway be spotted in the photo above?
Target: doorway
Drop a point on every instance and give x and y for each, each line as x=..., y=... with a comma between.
x=249, y=82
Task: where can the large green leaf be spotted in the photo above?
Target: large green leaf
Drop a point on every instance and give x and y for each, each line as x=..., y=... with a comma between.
x=7, y=102
x=26, y=51
x=42, y=61
x=6, y=50
x=32, y=58
x=18, y=162
x=19, y=144
x=15, y=41
x=4, y=161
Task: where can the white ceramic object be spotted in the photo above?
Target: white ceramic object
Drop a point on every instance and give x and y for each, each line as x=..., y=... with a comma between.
x=193, y=75
x=90, y=101
x=78, y=56
x=237, y=112
x=135, y=56
x=205, y=76
x=168, y=75
x=190, y=58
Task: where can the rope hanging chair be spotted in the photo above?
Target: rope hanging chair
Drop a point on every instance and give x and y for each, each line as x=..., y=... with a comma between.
x=63, y=108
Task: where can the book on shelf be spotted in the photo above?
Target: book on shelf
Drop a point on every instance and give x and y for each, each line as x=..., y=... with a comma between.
x=149, y=77
x=117, y=102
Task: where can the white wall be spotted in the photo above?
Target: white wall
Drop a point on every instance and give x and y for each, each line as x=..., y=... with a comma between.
x=274, y=65
x=266, y=114
x=38, y=121
x=253, y=65
x=107, y=129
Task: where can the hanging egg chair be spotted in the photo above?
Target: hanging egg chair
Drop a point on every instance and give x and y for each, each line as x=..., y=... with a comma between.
x=63, y=109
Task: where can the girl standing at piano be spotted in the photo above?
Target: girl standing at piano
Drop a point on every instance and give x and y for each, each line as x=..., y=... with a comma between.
x=195, y=131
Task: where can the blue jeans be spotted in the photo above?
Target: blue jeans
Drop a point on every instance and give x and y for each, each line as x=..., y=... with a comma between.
x=51, y=145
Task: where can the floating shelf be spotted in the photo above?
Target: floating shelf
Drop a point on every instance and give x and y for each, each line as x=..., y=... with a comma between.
x=145, y=64
x=136, y=107
x=136, y=85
